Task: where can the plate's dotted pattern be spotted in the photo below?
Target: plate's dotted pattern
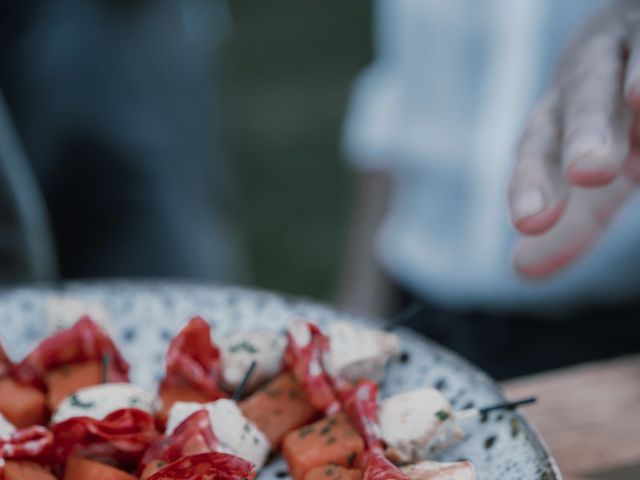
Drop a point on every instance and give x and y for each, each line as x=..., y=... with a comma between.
x=146, y=315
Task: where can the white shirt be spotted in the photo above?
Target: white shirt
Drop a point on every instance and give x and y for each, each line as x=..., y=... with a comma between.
x=442, y=108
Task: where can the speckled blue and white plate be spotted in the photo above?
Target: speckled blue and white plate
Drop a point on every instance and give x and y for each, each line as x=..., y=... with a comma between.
x=146, y=315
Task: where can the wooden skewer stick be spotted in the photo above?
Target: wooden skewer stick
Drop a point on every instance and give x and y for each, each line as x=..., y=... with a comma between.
x=245, y=380
x=405, y=315
x=472, y=412
x=106, y=365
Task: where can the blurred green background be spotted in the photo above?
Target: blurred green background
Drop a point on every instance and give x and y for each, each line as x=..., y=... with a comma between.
x=291, y=67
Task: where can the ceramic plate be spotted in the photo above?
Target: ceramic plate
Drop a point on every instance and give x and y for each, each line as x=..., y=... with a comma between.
x=146, y=315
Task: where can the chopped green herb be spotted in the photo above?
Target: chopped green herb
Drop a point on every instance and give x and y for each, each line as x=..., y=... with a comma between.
x=326, y=429
x=273, y=392
x=294, y=394
x=76, y=402
x=305, y=431
x=247, y=428
x=330, y=440
x=351, y=459
x=243, y=346
x=331, y=469
x=442, y=415
x=515, y=427
x=255, y=440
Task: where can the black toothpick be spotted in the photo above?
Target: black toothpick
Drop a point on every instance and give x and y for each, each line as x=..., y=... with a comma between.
x=106, y=365
x=484, y=411
x=245, y=380
x=405, y=315
x=508, y=405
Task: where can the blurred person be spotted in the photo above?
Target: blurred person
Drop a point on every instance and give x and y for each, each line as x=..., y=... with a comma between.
x=118, y=108
x=431, y=132
x=26, y=247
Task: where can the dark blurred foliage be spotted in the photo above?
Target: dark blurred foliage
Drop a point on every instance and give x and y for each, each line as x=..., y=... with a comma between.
x=292, y=64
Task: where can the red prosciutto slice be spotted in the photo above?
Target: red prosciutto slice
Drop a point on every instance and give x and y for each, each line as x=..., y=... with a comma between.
x=303, y=357
x=207, y=466
x=193, y=359
x=121, y=438
x=33, y=443
x=193, y=436
x=360, y=403
x=361, y=406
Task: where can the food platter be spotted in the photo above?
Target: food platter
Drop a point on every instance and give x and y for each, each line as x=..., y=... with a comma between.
x=145, y=316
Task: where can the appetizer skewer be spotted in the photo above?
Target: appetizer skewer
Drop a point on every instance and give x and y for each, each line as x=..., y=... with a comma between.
x=69, y=360
x=417, y=424
x=303, y=392
x=111, y=422
x=235, y=433
x=191, y=431
x=194, y=435
x=405, y=429
x=361, y=405
x=193, y=371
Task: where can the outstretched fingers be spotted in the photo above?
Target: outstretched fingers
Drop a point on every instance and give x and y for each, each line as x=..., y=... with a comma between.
x=537, y=190
x=595, y=122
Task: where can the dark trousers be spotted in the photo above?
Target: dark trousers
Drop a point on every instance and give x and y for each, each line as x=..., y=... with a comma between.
x=511, y=345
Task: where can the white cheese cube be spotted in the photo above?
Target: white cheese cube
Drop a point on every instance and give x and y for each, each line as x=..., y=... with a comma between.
x=237, y=435
x=416, y=424
x=99, y=401
x=240, y=349
x=358, y=352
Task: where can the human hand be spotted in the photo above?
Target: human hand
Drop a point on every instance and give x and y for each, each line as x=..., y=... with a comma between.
x=579, y=157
